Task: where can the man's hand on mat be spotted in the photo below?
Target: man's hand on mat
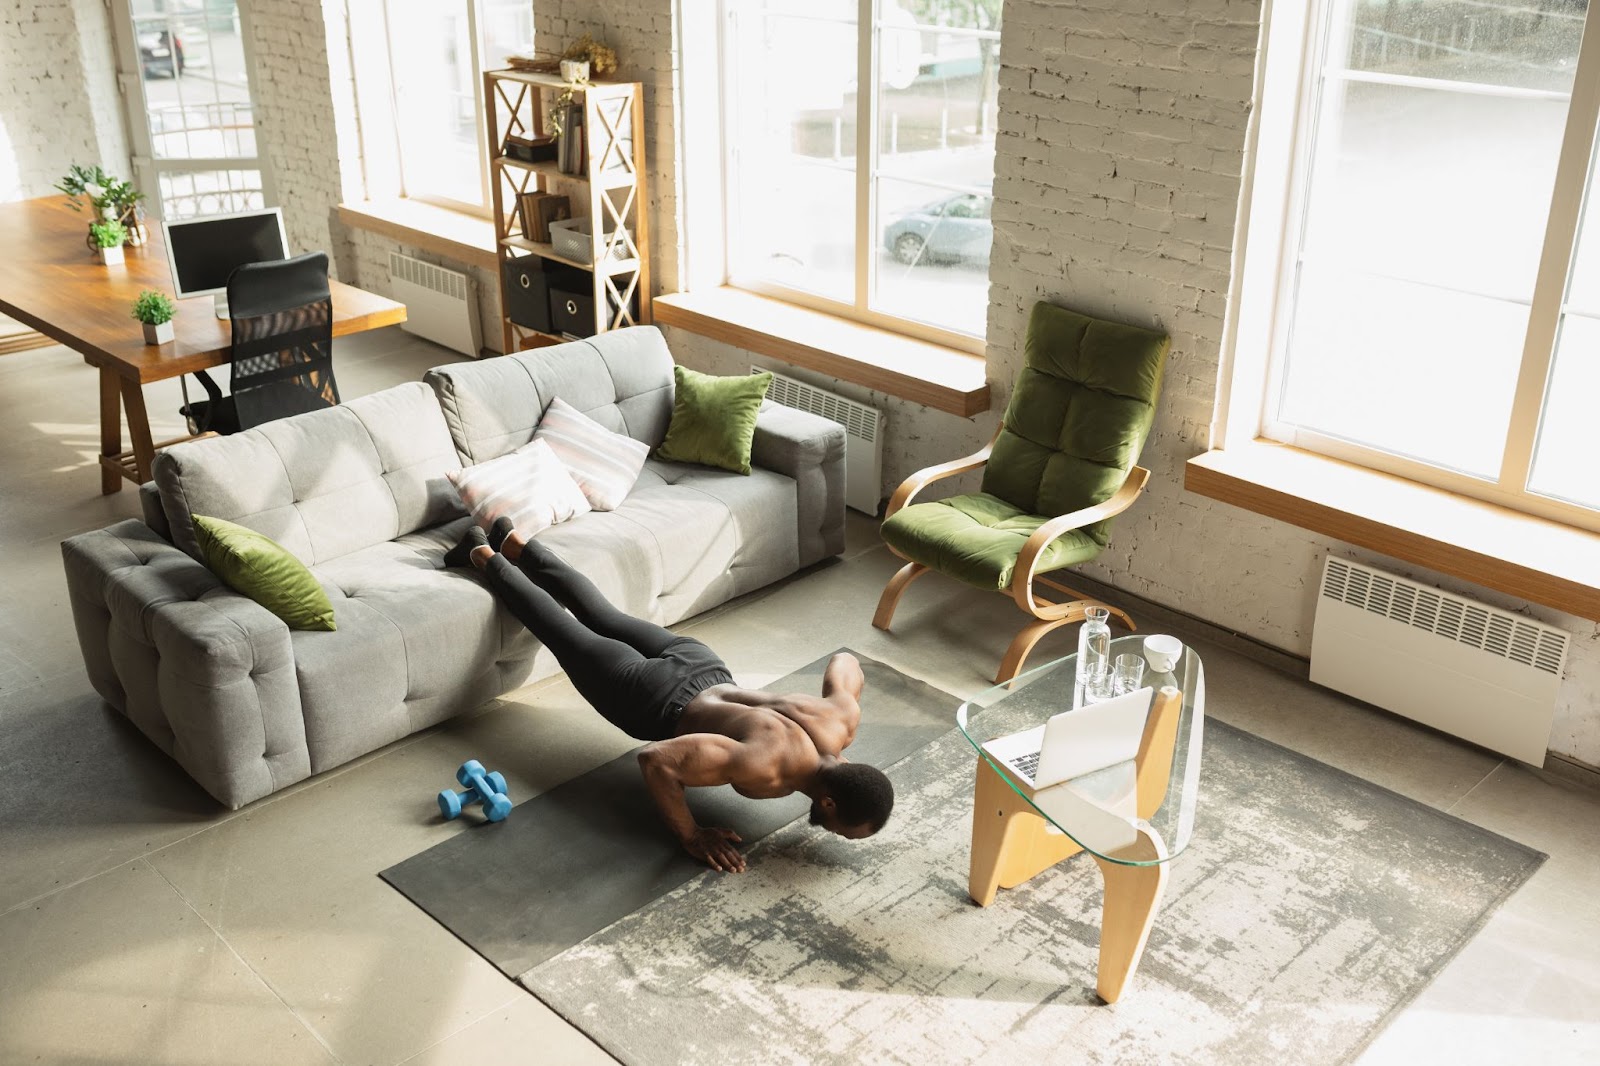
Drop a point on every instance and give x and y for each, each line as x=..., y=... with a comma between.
x=715, y=848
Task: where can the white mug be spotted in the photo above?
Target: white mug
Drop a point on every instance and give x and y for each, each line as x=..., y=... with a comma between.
x=1162, y=652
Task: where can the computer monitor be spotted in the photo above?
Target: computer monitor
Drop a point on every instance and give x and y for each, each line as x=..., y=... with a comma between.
x=204, y=251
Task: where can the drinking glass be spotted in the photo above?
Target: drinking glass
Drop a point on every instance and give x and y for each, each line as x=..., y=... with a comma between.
x=1129, y=672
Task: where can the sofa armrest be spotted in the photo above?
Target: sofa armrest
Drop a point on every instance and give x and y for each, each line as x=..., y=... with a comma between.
x=204, y=672
x=809, y=449
x=155, y=515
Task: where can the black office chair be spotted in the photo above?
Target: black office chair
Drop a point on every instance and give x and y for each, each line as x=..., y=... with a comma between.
x=282, y=357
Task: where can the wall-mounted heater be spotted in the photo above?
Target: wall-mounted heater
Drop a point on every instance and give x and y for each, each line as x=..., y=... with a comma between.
x=863, y=427
x=441, y=305
x=1463, y=667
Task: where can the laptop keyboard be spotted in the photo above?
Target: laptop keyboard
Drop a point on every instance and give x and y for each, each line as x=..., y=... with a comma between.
x=1027, y=765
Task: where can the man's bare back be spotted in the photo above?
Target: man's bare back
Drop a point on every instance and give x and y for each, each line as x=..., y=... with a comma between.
x=762, y=744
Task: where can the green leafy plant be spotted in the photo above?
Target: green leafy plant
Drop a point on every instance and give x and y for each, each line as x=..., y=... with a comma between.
x=111, y=197
x=154, y=308
x=108, y=233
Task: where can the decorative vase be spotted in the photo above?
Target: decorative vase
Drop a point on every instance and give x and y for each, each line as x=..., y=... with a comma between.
x=110, y=256
x=574, y=70
x=155, y=333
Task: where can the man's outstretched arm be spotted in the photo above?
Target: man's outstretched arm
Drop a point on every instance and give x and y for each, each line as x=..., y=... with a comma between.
x=692, y=760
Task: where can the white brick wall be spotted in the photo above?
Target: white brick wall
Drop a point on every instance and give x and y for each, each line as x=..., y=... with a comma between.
x=58, y=96
x=298, y=117
x=641, y=31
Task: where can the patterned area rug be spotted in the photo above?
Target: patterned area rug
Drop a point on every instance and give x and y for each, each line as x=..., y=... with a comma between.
x=1309, y=908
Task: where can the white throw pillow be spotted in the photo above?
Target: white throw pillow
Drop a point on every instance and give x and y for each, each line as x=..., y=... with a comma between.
x=605, y=464
x=530, y=486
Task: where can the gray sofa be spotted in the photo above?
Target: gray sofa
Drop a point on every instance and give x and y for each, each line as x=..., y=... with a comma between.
x=359, y=494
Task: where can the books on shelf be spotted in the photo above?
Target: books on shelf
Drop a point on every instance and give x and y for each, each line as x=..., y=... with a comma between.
x=538, y=210
x=570, y=158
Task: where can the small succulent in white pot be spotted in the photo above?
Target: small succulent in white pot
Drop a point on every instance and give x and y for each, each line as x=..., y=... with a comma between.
x=106, y=237
x=155, y=310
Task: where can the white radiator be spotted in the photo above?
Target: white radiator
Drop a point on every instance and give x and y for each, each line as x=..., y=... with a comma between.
x=1462, y=667
x=863, y=427
x=441, y=305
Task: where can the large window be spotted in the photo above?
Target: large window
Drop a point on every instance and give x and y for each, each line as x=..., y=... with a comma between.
x=1437, y=309
x=438, y=51
x=860, y=139
x=191, y=118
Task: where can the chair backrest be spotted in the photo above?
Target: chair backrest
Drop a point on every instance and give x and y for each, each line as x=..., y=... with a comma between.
x=1079, y=414
x=282, y=359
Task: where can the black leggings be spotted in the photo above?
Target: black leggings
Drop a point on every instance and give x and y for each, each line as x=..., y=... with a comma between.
x=635, y=673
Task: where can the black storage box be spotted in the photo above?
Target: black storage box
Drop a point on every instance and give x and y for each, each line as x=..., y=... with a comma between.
x=527, y=291
x=572, y=306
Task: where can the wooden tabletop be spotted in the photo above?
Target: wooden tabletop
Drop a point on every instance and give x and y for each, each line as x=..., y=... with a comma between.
x=50, y=280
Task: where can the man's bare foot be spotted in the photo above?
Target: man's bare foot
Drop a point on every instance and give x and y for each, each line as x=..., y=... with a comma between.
x=481, y=556
x=512, y=546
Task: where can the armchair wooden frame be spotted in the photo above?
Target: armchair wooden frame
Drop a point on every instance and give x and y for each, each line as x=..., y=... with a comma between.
x=1048, y=614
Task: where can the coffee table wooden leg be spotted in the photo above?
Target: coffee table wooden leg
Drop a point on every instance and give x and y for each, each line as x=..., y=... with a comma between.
x=1010, y=842
x=144, y=450
x=1132, y=896
x=110, y=430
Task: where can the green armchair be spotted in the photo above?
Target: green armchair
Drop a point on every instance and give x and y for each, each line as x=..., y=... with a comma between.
x=1060, y=466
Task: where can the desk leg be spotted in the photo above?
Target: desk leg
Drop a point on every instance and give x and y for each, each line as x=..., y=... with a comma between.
x=1132, y=895
x=110, y=431
x=144, y=450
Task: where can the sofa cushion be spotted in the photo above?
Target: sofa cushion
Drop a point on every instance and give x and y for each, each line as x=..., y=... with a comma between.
x=621, y=379
x=713, y=418
x=322, y=484
x=257, y=566
x=413, y=640
x=604, y=463
x=715, y=534
x=530, y=486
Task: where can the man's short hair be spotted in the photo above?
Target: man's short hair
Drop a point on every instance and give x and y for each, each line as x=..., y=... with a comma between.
x=862, y=794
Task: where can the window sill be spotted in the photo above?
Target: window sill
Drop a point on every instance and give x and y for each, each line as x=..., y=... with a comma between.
x=452, y=234
x=919, y=371
x=1531, y=558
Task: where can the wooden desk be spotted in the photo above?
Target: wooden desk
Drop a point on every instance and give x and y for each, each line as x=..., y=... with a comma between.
x=50, y=281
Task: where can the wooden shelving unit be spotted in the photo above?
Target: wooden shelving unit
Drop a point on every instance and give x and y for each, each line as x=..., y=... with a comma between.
x=610, y=189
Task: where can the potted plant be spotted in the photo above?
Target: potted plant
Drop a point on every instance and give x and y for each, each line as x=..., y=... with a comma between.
x=590, y=57
x=155, y=310
x=107, y=236
x=108, y=198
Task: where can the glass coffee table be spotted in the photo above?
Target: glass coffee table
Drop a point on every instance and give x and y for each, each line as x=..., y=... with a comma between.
x=1129, y=802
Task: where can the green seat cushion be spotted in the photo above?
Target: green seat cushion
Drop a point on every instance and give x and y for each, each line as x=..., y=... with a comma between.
x=713, y=419
x=1079, y=415
x=257, y=566
x=977, y=538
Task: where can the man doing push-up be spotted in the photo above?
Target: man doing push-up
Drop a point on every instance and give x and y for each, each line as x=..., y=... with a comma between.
x=674, y=692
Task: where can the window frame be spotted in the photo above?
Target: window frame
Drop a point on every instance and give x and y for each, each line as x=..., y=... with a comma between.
x=1295, y=44
x=475, y=34
x=865, y=168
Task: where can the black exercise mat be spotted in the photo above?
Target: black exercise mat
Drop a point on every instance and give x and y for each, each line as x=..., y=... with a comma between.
x=572, y=860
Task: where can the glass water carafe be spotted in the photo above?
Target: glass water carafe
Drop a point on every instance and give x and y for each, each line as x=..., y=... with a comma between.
x=1094, y=653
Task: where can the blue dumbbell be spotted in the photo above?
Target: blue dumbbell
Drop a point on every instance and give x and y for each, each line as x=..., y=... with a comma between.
x=483, y=787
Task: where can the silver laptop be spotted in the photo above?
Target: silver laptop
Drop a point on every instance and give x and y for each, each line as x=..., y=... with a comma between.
x=1077, y=742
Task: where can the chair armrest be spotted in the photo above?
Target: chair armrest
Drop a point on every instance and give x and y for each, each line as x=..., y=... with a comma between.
x=1119, y=501
x=928, y=475
x=810, y=449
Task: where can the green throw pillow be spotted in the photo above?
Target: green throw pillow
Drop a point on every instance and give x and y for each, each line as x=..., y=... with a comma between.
x=257, y=566
x=713, y=419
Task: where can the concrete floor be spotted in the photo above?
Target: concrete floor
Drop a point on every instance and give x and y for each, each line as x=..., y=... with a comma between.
x=139, y=923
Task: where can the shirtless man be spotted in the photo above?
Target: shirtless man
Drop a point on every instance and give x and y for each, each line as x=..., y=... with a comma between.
x=674, y=692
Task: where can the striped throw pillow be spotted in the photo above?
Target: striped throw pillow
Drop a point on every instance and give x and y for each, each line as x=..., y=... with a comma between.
x=604, y=464
x=530, y=486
